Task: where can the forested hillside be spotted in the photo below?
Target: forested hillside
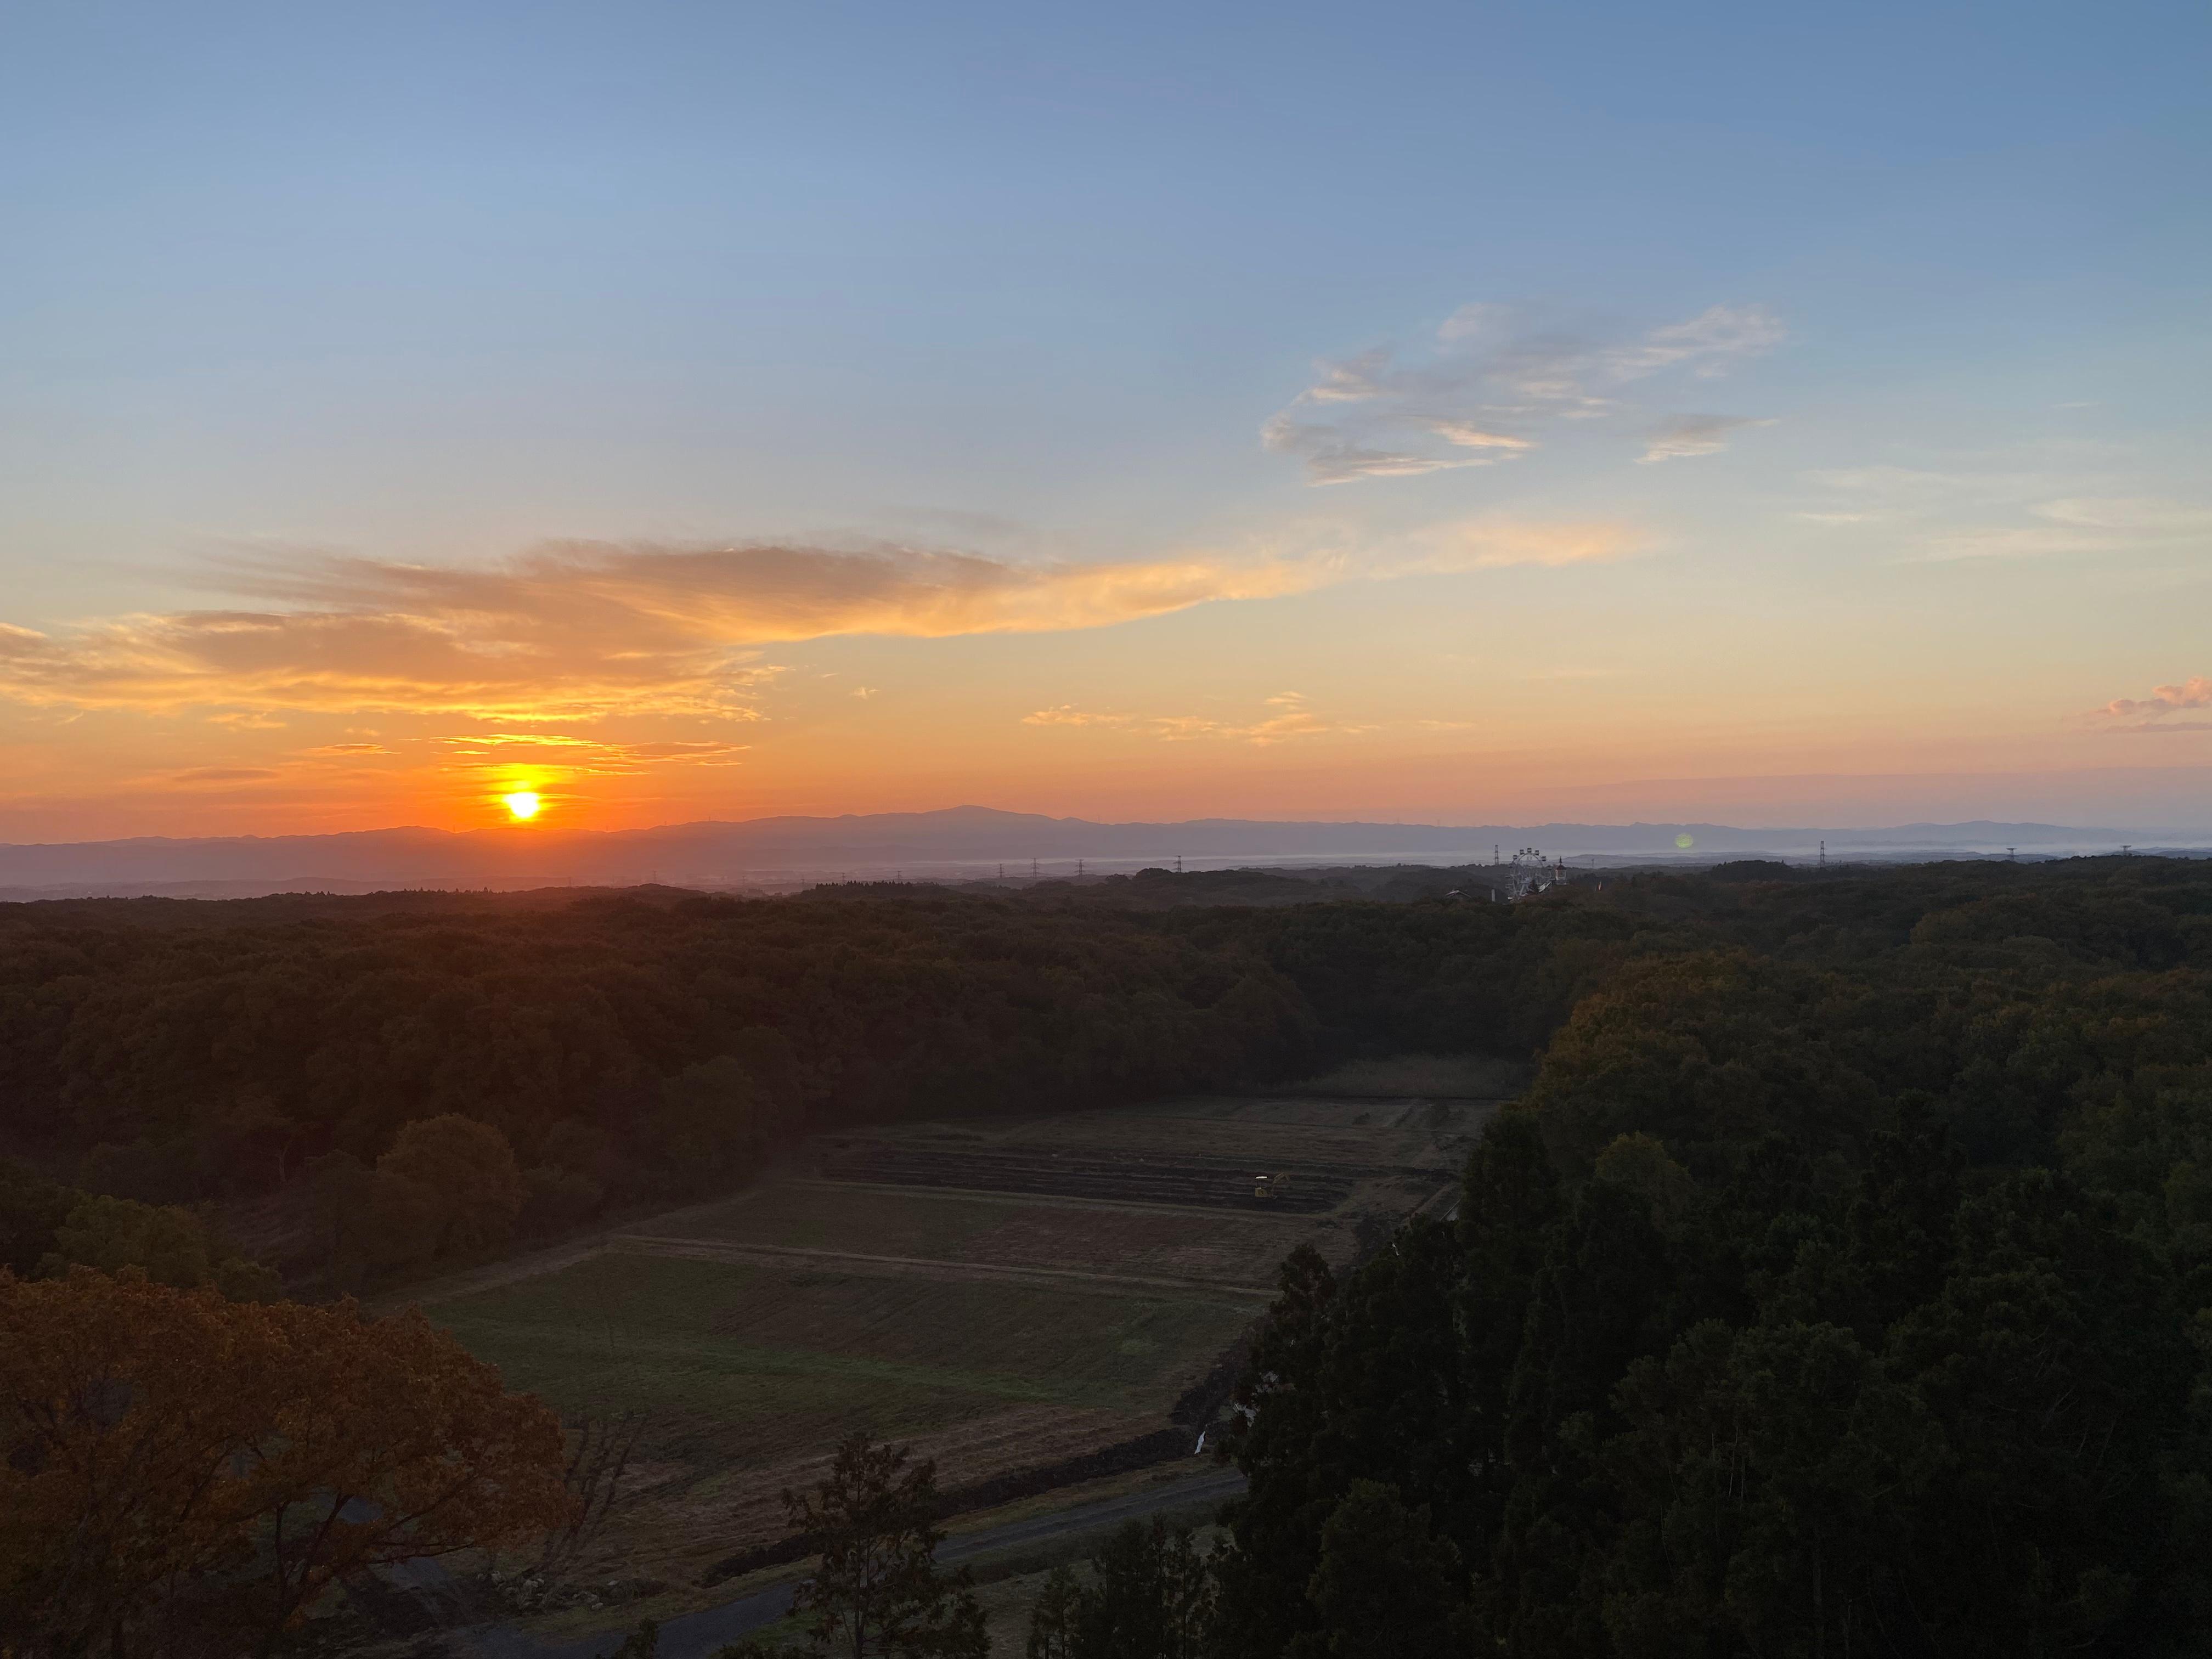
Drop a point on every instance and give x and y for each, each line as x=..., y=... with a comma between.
x=1843, y=1286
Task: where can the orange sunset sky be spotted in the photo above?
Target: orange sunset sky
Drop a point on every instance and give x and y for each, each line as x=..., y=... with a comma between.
x=1124, y=417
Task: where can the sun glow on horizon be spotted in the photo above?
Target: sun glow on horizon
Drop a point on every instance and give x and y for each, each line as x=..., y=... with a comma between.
x=522, y=806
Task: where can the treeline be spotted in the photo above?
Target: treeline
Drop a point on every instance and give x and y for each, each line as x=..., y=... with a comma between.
x=1843, y=1286
x=173, y=1055
x=620, y=1050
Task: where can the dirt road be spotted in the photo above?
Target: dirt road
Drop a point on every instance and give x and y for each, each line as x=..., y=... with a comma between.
x=696, y=1635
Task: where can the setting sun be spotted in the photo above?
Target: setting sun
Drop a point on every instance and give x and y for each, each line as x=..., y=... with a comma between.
x=522, y=803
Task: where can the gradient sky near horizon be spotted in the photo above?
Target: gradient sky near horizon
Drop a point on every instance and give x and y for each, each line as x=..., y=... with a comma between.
x=1767, y=413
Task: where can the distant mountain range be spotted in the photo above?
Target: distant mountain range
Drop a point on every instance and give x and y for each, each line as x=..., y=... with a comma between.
x=960, y=841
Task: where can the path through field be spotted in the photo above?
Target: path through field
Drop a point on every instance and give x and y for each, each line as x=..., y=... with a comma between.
x=696, y=1635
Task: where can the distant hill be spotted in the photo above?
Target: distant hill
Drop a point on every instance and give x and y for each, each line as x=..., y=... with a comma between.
x=961, y=841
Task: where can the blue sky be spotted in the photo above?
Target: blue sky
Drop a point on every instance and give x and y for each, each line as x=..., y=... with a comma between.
x=1887, y=326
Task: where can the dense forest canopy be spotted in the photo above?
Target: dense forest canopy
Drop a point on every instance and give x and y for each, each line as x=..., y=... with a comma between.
x=1844, y=1285
x=174, y=1052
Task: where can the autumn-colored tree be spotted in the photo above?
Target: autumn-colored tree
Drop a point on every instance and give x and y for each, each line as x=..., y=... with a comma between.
x=180, y=1473
x=877, y=1593
x=469, y=1171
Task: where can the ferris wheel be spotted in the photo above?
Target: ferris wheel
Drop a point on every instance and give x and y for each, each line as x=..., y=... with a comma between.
x=1528, y=874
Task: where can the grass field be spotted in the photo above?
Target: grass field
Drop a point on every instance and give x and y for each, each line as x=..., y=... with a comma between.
x=741, y=1362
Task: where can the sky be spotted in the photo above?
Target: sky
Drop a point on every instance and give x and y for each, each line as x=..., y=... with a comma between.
x=1468, y=413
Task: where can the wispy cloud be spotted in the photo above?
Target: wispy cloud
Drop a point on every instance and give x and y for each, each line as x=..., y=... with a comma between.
x=1484, y=384
x=1681, y=435
x=1292, y=719
x=1068, y=714
x=1942, y=516
x=583, y=631
x=2147, y=515
x=508, y=751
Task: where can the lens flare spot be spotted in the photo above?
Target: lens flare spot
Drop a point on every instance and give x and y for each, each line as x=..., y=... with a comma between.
x=522, y=804
x=1685, y=839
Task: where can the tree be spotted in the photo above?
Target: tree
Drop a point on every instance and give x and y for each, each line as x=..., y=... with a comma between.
x=468, y=1172
x=168, y=1243
x=183, y=1472
x=878, y=1591
x=558, y=1198
x=710, y=1124
x=1150, y=1597
x=370, y=1219
x=1053, y=1619
x=31, y=1208
x=1386, y=1587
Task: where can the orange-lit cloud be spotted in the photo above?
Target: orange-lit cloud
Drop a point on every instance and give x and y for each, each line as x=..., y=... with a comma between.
x=509, y=751
x=1295, y=720
x=585, y=631
x=2148, y=713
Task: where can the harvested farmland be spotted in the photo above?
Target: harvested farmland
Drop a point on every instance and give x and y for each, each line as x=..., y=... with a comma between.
x=740, y=1361
x=1128, y=1177
x=1012, y=1231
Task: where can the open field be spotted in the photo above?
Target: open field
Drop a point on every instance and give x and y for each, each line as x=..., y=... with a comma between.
x=1010, y=1230
x=1431, y=1076
x=1327, y=1155
x=741, y=1361
x=1006, y=1295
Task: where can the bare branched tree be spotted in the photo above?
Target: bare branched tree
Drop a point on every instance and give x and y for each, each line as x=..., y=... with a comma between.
x=599, y=1449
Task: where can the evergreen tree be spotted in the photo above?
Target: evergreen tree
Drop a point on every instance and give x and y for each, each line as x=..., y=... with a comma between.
x=1386, y=1587
x=877, y=1593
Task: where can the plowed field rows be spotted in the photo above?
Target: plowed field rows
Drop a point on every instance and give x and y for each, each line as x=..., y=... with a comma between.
x=1138, y=1243
x=1129, y=1177
x=1015, y=1231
